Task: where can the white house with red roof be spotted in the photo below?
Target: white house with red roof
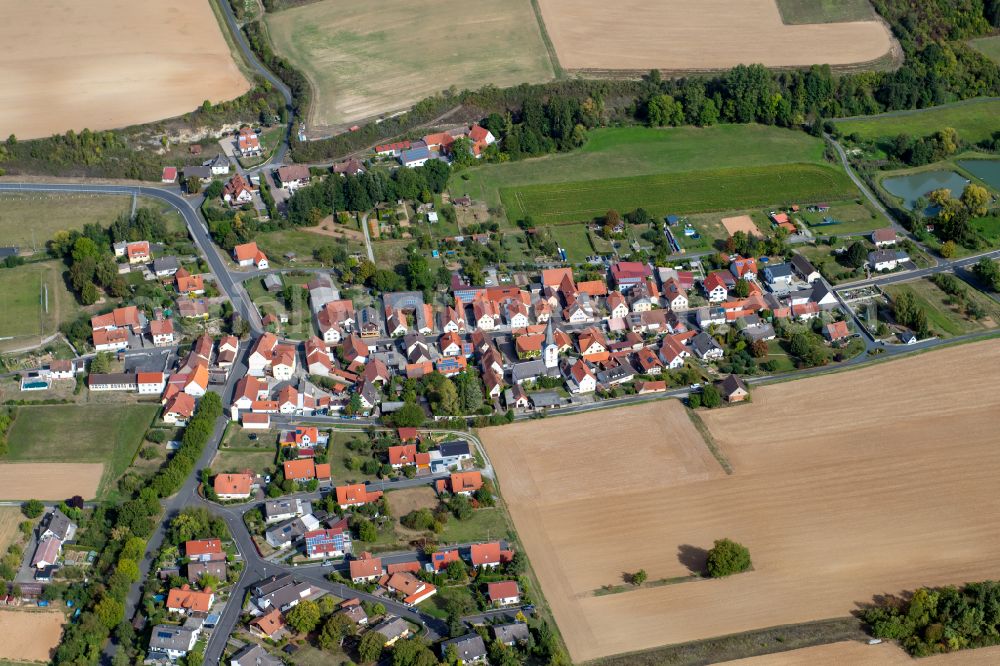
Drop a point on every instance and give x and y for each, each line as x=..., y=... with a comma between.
x=237, y=191
x=248, y=142
x=581, y=378
x=248, y=254
x=715, y=287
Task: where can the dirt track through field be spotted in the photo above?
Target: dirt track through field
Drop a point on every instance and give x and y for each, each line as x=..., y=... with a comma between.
x=700, y=35
x=49, y=481
x=103, y=64
x=845, y=486
x=859, y=654
x=29, y=635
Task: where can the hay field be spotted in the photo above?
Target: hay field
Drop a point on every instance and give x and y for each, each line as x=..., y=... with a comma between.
x=49, y=481
x=30, y=635
x=369, y=58
x=974, y=120
x=844, y=487
x=701, y=35
x=22, y=291
x=103, y=64
x=29, y=220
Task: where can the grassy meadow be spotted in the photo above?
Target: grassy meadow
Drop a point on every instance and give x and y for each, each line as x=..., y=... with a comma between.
x=794, y=12
x=680, y=193
x=22, y=303
x=974, y=120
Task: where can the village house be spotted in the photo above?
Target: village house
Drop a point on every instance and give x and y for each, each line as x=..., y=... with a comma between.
x=365, y=568
x=150, y=383
x=392, y=630
x=885, y=260
x=187, y=283
x=503, y=593
x=411, y=589
x=248, y=254
x=237, y=191
x=293, y=176
x=489, y=555
x=172, y=640
x=733, y=389
x=233, y=486
x=837, y=331
x=166, y=266
x=248, y=143
x=804, y=268
x=185, y=600
x=627, y=274
x=580, y=378
x=460, y=483
x=470, y=648
x=884, y=237
x=179, y=409
x=356, y=494
x=335, y=541
x=515, y=633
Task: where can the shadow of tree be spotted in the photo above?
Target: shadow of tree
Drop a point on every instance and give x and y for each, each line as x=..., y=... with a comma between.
x=694, y=558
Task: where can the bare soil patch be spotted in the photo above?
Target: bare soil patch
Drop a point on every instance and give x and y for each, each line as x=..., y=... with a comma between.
x=49, y=481
x=845, y=486
x=327, y=227
x=29, y=635
x=742, y=223
x=104, y=64
x=701, y=35
x=401, y=502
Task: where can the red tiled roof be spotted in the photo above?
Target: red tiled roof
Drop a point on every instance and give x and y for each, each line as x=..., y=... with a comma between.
x=202, y=547
x=233, y=484
x=301, y=469
x=506, y=589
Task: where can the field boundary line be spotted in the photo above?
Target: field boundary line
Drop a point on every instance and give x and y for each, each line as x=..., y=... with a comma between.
x=550, y=48
x=709, y=439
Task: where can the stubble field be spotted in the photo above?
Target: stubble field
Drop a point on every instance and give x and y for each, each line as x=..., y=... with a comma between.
x=701, y=35
x=365, y=59
x=104, y=64
x=844, y=487
x=29, y=635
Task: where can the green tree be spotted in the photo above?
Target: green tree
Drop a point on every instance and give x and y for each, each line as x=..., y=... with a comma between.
x=976, y=199
x=109, y=611
x=728, y=557
x=32, y=508
x=370, y=647
x=710, y=396
x=337, y=627
x=367, y=531
x=304, y=616
x=856, y=255
x=101, y=363
x=639, y=577
x=742, y=288
x=410, y=415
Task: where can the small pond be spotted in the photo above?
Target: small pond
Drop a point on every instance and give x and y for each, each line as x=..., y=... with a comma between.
x=987, y=171
x=912, y=187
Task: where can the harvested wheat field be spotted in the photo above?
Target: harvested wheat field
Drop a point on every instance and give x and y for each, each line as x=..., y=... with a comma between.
x=844, y=487
x=29, y=635
x=860, y=654
x=103, y=64
x=701, y=35
x=49, y=481
x=401, y=502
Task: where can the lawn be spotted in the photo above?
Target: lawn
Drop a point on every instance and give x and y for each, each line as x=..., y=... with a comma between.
x=795, y=12
x=92, y=433
x=276, y=244
x=821, y=256
x=369, y=58
x=485, y=525
x=948, y=320
x=851, y=218
x=777, y=355
x=680, y=193
x=988, y=46
x=237, y=460
x=270, y=139
x=639, y=151
x=299, y=326
x=574, y=239
x=22, y=301
x=29, y=220
x=975, y=120
x=438, y=605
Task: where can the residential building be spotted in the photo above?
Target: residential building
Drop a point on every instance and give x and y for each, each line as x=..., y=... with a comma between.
x=116, y=381
x=470, y=648
x=356, y=494
x=511, y=634
x=334, y=541
x=393, y=629
x=365, y=568
x=489, y=555
x=237, y=191
x=778, y=276
x=254, y=655
x=804, y=268
x=278, y=510
x=172, y=640
x=248, y=254
x=460, y=483
x=837, y=331
x=715, y=287
x=162, y=332
x=733, y=389
x=409, y=587
x=885, y=260
x=185, y=600
x=204, y=550
x=627, y=274
x=503, y=593
x=884, y=237
x=580, y=378
x=233, y=486
x=150, y=383
x=706, y=348
x=217, y=569
x=58, y=525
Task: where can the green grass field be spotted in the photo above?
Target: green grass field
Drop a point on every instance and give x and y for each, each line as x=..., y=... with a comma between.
x=640, y=151
x=276, y=244
x=851, y=217
x=947, y=320
x=369, y=58
x=795, y=12
x=22, y=302
x=680, y=193
x=988, y=46
x=573, y=239
x=485, y=524
x=29, y=220
x=974, y=121
x=108, y=434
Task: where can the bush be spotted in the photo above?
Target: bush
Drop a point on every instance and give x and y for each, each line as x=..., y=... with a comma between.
x=32, y=508
x=727, y=558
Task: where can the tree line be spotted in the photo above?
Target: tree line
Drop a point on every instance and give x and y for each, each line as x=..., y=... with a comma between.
x=936, y=620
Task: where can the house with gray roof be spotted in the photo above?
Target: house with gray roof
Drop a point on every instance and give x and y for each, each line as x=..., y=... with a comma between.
x=393, y=628
x=277, y=510
x=544, y=399
x=59, y=526
x=706, y=348
x=804, y=268
x=470, y=648
x=171, y=641
x=285, y=534
x=166, y=266
x=526, y=371
x=254, y=655
x=511, y=634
